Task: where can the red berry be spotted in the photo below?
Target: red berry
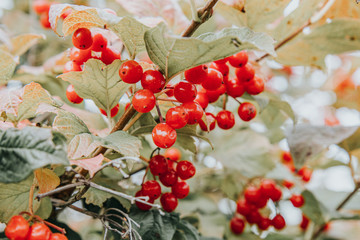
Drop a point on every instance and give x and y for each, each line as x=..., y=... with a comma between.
x=82, y=38
x=239, y=59
x=185, y=92
x=225, y=119
x=172, y=154
x=177, y=117
x=168, y=178
x=152, y=189
x=252, y=194
x=180, y=189
x=194, y=110
x=213, y=96
x=153, y=80
x=306, y=173
x=169, y=202
x=140, y=205
x=267, y=187
x=39, y=231
x=185, y=170
x=169, y=90
x=254, y=217
x=72, y=95
x=71, y=66
x=304, y=223
x=17, y=228
x=108, y=55
x=131, y=71
x=202, y=99
x=163, y=135
x=278, y=222
x=255, y=86
x=211, y=122
x=288, y=184
x=99, y=43
x=262, y=202
x=44, y=20
x=80, y=56
x=41, y=6
x=221, y=61
x=143, y=101
x=58, y=236
x=245, y=74
x=243, y=207
x=158, y=165
x=234, y=88
x=276, y=194
x=213, y=80
x=264, y=223
x=297, y=200
x=113, y=111
x=286, y=157
x=247, y=111
x=223, y=68
x=197, y=74
x=237, y=225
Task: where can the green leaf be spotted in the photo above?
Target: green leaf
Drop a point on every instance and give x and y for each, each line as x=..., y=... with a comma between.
x=245, y=151
x=174, y=54
x=339, y=36
x=69, y=124
x=22, y=151
x=186, y=231
x=131, y=32
x=259, y=15
x=312, y=208
x=45, y=208
x=14, y=198
x=153, y=225
x=97, y=197
x=98, y=82
x=306, y=140
x=276, y=236
x=83, y=145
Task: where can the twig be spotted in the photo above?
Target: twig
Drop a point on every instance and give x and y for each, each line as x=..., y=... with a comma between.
x=133, y=120
x=292, y=36
x=167, y=100
x=59, y=189
x=203, y=15
x=159, y=112
x=340, y=206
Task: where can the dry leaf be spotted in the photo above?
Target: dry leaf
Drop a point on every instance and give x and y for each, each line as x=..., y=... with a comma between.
x=46, y=179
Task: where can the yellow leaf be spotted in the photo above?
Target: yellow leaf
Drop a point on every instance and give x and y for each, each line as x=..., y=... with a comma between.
x=7, y=66
x=33, y=95
x=342, y=9
x=20, y=44
x=46, y=179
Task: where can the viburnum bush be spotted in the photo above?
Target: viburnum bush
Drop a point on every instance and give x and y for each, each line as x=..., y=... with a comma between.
x=164, y=119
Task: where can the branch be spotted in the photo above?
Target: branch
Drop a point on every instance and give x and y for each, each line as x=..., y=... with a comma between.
x=286, y=40
x=340, y=206
x=203, y=14
x=58, y=190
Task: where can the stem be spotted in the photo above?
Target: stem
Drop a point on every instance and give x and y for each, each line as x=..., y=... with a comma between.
x=59, y=189
x=203, y=15
x=237, y=100
x=133, y=120
x=225, y=101
x=167, y=100
x=146, y=171
x=144, y=159
x=340, y=206
x=283, y=42
x=159, y=112
x=31, y=198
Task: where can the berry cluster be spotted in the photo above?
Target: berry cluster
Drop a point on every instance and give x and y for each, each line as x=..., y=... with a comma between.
x=85, y=44
x=18, y=228
x=172, y=173
x=305, y=173
x=248, y=208
x=256, y=198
